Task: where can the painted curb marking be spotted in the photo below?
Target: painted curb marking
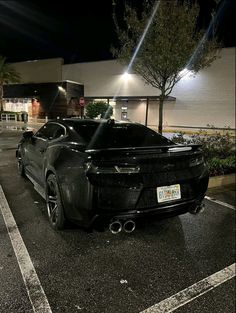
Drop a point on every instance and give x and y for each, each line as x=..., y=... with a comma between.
x=33, y=286
x=221, y=203
x=196, y=290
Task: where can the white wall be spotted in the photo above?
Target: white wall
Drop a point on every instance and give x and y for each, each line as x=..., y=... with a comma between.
x=39, y=71
x=209, y=98
x=136, y=110
x=104, y=78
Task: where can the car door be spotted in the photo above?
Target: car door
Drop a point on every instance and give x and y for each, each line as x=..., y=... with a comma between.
x=37, y=151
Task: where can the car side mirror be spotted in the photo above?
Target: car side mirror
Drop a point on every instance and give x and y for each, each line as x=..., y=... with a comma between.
x=28, y=134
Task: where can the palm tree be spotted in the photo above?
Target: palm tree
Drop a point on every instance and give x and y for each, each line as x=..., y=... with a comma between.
x=7, y=75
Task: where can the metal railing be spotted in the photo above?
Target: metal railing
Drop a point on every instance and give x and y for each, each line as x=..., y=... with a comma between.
x=8, y=117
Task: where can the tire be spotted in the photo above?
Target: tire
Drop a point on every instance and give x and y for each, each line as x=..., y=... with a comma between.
x=54, y=204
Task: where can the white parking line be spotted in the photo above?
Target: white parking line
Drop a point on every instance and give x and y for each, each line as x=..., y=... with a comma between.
x=189, y=294
x=33, y=286
x=221, y=203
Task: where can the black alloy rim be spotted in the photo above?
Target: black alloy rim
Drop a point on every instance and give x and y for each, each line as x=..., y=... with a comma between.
x=52, y=202
x=20, y=166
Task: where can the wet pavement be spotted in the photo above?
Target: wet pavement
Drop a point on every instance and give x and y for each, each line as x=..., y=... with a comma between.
x=224, y=194
x=98, y=272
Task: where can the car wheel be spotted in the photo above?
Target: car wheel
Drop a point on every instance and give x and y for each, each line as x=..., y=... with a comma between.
x=54, y=203
x=21, y=168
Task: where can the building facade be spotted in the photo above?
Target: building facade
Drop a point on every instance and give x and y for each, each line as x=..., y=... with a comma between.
x=38, y=100
x=206, y=99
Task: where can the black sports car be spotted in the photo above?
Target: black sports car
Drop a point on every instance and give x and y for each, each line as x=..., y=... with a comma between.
x=111, y=172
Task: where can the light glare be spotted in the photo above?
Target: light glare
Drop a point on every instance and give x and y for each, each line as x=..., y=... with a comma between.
x=61, y=88
x=126, y=75
x=185, y=73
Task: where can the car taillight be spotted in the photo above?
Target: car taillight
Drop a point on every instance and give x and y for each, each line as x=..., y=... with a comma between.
x=116, y=169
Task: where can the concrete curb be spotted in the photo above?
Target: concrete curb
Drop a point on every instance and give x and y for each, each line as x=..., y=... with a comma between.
x=220, y=181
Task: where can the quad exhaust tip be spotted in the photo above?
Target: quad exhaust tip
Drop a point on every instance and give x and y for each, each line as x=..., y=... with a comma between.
x=199, y=209
x=129, y=226
x=116, y=226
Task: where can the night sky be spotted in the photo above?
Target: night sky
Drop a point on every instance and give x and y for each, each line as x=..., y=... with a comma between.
x=79, y=31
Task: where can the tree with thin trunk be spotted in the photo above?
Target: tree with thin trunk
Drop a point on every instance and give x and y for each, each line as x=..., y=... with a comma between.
x=163, y=42
x=8, y=75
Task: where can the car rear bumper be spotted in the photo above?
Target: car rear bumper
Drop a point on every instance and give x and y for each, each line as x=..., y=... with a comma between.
x=121, y=204
x=159, y=212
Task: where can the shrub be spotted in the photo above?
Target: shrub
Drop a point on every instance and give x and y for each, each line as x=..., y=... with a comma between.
x=219, y=166
x=99, y=109
x=218, y=149
x=179, y=138
x=215, y=145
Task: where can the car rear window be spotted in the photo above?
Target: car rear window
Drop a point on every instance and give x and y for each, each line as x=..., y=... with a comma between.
x=103, y=135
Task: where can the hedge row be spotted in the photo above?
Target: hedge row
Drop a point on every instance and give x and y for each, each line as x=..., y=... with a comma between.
x=218, y=150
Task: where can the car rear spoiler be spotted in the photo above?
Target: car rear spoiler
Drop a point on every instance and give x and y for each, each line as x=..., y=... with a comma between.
x=168, y=148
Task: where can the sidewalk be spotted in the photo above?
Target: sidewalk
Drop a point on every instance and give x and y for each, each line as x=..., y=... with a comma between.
x=194, y=130
x=36, y=125
x=20, y=125
x=168, y=131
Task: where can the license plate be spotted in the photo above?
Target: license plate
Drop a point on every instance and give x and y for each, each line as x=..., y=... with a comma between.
x=168, y=193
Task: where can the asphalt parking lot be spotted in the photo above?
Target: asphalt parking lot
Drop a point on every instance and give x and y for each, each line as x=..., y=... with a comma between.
x=98, y=272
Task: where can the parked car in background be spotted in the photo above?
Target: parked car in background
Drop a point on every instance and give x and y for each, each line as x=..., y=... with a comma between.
x=112, y=172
